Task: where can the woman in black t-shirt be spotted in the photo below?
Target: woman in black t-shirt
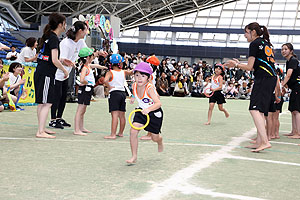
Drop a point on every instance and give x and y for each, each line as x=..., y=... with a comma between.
x=261, y=60
x=292, y=81
x=44, y=75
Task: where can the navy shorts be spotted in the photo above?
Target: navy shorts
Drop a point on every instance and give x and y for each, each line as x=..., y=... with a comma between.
x=156, y=119
x=217, y=97
x=262, y=97
x=117, y=101
x=85, y=94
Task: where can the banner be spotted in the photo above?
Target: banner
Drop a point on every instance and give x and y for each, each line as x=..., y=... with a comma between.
x=28, y=95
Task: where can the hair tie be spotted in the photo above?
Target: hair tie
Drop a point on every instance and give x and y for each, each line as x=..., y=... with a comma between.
x=73, y=28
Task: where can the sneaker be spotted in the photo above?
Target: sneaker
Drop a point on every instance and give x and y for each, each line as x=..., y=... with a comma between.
x=55, y=124
x=63, y=122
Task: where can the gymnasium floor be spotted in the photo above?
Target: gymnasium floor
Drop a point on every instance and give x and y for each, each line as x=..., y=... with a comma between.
x=198, y=162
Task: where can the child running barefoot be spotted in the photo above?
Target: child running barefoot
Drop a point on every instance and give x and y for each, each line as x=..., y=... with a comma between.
x=216, y=87
x=85, y=90
x=148, y=100
x=115, y=80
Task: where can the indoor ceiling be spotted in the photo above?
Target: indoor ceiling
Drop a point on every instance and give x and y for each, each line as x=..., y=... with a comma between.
x=131, y=12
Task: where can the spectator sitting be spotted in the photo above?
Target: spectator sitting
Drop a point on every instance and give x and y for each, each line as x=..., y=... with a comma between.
x=243, y=91
x=13, y=54
x=3, y=95
x=28, y=53
x=15, y=80
x=179, y=90
x=162, y=85
x=3, y=47
x=231, y=91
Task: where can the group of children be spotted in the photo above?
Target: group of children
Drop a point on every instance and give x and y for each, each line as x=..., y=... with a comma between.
x=143, y=91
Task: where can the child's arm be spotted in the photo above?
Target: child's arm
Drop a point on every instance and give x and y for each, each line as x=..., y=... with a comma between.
x=157, y=103
x=20, y=82
x=82, y=76
x=107, y=78
x=97, y=66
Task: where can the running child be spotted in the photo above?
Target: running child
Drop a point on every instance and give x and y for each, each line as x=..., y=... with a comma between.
x=145, y=94
x=216, y=87
x=115, y=80
x=85, y=91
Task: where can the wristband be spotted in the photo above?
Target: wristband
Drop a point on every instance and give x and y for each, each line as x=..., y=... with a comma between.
x=132, y=96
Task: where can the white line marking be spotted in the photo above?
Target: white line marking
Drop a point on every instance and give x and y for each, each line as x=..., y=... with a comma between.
x=111, y=141
x=264, y=160
x=180, y=178
x=190, y=189
x=288, y=143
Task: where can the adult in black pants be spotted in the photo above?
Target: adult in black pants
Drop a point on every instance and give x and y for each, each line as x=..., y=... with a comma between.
x=70, y=47
x=44, y=75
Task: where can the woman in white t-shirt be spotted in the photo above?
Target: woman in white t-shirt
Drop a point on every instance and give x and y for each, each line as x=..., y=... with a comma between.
x=3, y=47
x=69, y=50
x=28, y=53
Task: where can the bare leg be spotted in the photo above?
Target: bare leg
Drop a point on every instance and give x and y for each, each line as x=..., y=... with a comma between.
x=221, y=108
x=294, y=129
x=146, y=137
x=270, y=126
x=114, y=125
x=42, y=114
x=122, y=123
x=79, y=120
x=297, y=125
x=210, y=109
x=276, y=124
x=158, y=138
x=259, y=122
x=134, y=143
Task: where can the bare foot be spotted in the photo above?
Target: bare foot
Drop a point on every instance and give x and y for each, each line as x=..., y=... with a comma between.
x=252, y=146
x=207, y=123
x=131, y=161
x=277, y=137
x=254, y=138
x=262, y=147
x=253, y=142
x=160, y=147
x=120, y=135
x=289, y=134
x=110, y=137
x=49, y=132
x=294, y=136
x=44, y=135
x=226, y=114
x=145, y=137
x=79, y=133
x=86, y=131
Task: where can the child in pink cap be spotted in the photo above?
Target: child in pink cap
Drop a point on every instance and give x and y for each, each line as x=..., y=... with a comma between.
x=145, y=94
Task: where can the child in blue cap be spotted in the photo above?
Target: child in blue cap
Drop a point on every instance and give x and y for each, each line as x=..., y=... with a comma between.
x=115, y=80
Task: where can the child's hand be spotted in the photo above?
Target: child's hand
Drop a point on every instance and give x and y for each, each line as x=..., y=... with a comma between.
x=277, y=100
x=145, y=111
x=66, y=74
x=5, y=76
x=132, y=100
x=22, y=81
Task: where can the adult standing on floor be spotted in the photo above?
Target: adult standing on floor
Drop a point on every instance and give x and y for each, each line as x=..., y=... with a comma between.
x=261, y=60
x=70, y=47
x=292, y=80
x=44, y=75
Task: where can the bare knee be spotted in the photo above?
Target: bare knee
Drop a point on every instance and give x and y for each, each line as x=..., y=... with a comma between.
x=1, y=108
